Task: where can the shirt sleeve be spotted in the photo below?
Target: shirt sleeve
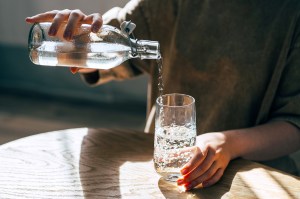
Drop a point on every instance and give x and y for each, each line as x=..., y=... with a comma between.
x=286, y=105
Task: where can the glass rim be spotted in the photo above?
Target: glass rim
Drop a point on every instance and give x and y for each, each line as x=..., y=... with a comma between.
x=173, y=94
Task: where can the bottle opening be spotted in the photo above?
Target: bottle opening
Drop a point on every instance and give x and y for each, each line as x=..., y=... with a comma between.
x=148, y=49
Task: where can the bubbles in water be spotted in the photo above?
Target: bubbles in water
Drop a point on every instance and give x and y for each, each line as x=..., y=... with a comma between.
x=170, y=148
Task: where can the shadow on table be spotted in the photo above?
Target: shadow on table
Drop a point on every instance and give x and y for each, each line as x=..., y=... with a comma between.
x=102, y=154
x=222, y=189
x=170, y=190
x=240, y=180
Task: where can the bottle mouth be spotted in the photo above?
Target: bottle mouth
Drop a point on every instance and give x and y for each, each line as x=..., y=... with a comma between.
x=148, y=49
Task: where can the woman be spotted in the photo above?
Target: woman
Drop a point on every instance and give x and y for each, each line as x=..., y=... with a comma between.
x=238, y=59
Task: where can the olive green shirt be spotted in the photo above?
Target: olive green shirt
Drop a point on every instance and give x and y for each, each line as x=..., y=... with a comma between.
x=238, y=59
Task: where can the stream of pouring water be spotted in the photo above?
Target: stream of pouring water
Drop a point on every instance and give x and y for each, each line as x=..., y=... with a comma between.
x=159, y=62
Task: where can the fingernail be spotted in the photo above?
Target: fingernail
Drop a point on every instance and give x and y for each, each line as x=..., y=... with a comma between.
x=95, y=28
x=184, y=171
x=67, y=35
x=74, y=70
x=179, y=181
x=51, y=31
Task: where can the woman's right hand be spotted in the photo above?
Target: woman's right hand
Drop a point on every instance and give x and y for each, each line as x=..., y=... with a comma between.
x=73, y=18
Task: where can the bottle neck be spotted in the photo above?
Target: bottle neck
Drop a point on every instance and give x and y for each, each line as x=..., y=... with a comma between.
x=145, y=49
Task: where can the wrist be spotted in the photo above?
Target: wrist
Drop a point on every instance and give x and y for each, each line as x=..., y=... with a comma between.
x=233, y=142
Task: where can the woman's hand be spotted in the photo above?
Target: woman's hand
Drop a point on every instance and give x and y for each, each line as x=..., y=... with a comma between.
x=211, y=157
x=74, y=70
x=73, y=19
x=214, y=150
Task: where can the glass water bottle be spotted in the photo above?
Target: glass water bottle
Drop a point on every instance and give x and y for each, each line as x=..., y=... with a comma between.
x=107, y=48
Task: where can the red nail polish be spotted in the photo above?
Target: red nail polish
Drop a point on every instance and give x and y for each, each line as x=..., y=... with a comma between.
x=52, y=31
x=68, y=35
x=74, y=70
x=184, y=171
x=179, y=181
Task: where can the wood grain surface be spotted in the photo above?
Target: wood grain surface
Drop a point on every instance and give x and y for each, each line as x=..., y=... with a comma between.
x=112, y=163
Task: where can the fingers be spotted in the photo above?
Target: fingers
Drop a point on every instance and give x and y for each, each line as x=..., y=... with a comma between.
x=95, y=20
x=75, y=19
x=206, y=170
x=75, y=70
x=59, y=18
x=203, y=166
x=208, y=164
x=205, y=176
x=72, y=17
x=43, y=17
x=215, y=178
x=198, y=157
x=200, y=168
x=87, y=70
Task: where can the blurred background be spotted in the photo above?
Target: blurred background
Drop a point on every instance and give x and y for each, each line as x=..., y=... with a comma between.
x=35, y=99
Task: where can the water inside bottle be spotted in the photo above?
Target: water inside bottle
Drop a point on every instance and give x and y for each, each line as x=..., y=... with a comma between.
x=91, y=55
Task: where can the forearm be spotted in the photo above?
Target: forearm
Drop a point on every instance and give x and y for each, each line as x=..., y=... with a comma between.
x=264, y=142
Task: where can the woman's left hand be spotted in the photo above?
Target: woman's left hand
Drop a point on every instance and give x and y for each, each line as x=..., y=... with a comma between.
x=211, y=156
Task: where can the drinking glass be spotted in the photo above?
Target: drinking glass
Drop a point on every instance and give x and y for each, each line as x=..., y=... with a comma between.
x=175, y=134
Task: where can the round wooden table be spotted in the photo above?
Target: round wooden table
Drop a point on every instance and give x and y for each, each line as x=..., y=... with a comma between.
x=106, y=163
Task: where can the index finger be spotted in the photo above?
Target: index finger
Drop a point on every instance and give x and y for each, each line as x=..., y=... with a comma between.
x=42, y=17
x=197, y=158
